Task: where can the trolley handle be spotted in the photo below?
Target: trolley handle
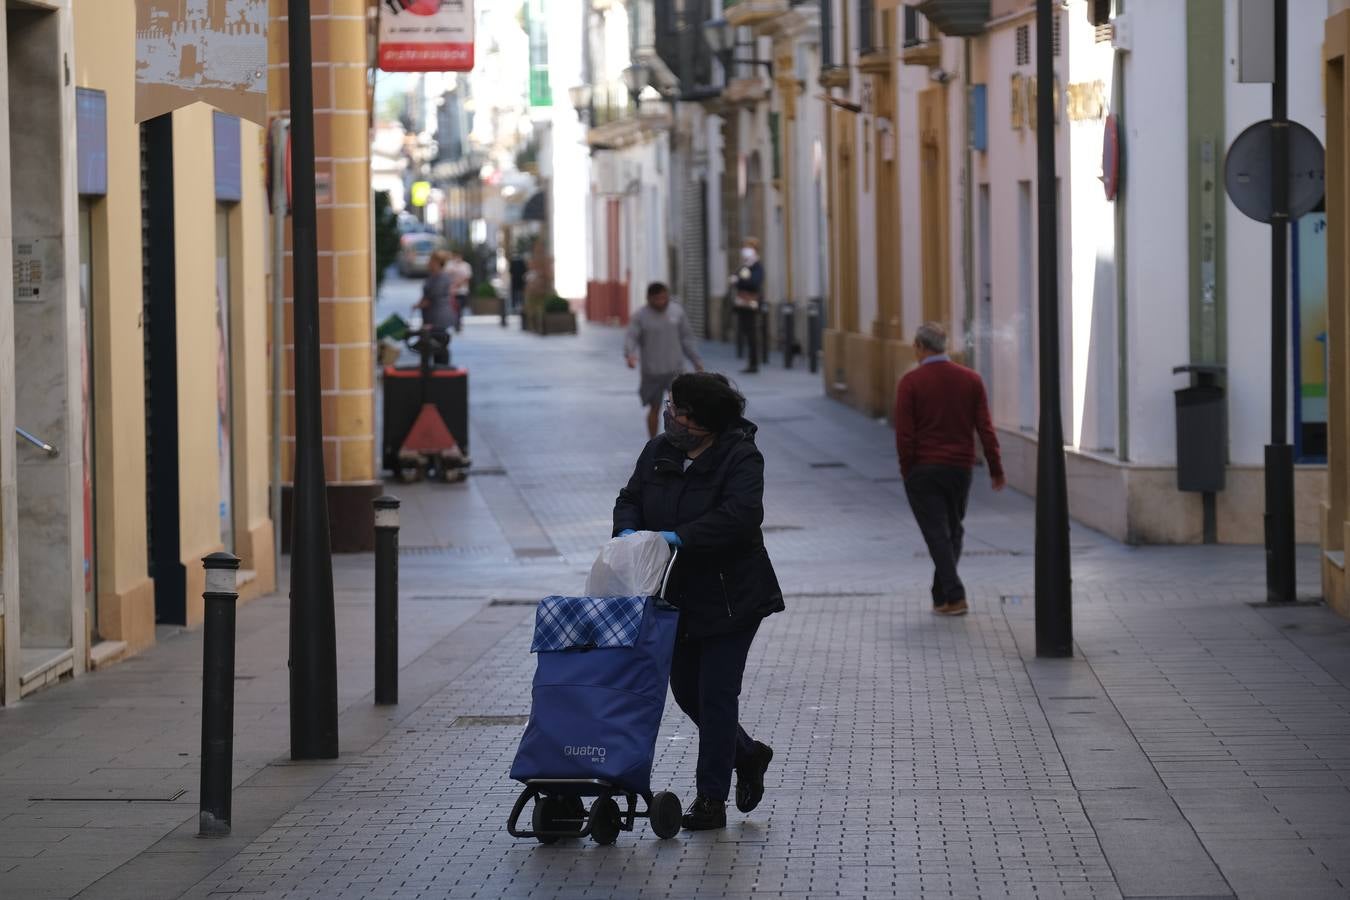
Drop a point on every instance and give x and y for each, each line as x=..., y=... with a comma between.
x=665, y=579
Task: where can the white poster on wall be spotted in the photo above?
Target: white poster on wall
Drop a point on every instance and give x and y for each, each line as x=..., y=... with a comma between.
x=426, y=36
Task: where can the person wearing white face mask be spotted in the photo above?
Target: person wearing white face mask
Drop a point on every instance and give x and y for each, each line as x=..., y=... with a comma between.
x=749, y=284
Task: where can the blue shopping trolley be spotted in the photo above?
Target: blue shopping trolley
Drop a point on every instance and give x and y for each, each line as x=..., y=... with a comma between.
x=599, y=693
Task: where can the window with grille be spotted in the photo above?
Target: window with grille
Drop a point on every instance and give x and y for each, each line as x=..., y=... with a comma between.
x=916, y=27
x=866, y=26
x=826, y=34
x=1104, y=33
x=1023, y=45
x=1056, y=44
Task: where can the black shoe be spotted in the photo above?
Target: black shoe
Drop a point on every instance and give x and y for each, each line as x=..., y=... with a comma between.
x=705, y=815
x=750, y=778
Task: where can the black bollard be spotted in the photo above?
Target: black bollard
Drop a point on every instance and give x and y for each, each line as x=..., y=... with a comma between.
x=220, y=595
x=386, y=600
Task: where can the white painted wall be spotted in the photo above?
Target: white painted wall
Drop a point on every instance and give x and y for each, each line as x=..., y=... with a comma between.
x=1089, y=289
x=571, y=161
x=1011, y=159
x=1248, y=247
x=1154, y=192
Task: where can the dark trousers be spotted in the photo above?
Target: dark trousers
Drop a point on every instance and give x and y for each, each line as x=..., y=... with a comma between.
x=938, y=495
x=747, y=328
x=705, y=678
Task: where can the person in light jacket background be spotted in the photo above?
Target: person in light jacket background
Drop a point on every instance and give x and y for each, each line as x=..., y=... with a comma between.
x=701, y=484
x=749, y=284
x=660, y=337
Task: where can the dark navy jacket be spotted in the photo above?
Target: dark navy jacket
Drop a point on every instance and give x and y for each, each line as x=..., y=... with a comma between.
x=723, y=580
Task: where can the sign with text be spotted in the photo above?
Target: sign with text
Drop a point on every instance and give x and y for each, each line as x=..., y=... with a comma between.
x=426, y=36
x=213, y=51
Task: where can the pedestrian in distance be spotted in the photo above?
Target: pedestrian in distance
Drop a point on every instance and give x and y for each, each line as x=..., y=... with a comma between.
x=518, y=269
x=749, y=286
x=436, y=306
x=660, y=338
x=939, y=408
x=701, y=484
x=461, y=274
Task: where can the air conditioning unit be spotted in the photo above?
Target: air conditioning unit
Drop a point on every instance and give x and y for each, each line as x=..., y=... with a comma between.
x=1122, y=34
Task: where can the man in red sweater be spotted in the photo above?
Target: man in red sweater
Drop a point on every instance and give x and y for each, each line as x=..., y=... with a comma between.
x=939, y=407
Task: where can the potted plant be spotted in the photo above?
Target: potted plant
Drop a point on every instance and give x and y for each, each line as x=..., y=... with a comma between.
x=485, y=300
x=558, y=317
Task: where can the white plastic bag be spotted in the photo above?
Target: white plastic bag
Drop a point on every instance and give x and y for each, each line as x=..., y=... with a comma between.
x=629, y=566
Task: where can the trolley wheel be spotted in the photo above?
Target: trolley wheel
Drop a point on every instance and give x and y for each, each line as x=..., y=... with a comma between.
x=545, y=817
x=408, y=471
x=666, y=814
x=605, y=822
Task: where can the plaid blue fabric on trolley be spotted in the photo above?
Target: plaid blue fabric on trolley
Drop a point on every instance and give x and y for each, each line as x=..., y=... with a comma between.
x=562, y=623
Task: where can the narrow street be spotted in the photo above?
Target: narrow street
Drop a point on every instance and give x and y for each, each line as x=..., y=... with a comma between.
x=1198, y=745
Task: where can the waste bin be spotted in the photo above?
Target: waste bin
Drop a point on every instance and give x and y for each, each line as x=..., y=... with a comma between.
x=1202, y=430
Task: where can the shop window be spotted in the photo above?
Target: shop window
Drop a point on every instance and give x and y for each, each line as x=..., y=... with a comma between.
x=1311, y=356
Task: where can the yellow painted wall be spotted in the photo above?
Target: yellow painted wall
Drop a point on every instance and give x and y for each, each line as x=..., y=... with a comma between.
x=198, y=455
x=195, y=257
x=105, y=59
x=249, y=326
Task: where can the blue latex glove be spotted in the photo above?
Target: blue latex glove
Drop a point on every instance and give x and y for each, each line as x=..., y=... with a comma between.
x=672, y=538
x=626, y=532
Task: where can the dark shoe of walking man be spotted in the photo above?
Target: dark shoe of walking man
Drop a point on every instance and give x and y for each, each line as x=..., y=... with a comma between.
x=939, y=408
x=659, y=335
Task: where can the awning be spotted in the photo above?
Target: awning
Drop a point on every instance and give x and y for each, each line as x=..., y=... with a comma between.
x=536, y=208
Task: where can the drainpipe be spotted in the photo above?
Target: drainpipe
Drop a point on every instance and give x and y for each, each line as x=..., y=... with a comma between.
x=967, y=216
x=278, y=148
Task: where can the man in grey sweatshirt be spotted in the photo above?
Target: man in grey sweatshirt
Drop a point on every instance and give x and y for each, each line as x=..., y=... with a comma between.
x=659, y=334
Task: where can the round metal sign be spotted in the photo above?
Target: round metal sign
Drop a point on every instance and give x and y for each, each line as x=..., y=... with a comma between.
x=1247, y=172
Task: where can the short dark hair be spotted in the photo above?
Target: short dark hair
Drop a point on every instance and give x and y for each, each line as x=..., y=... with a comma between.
x=709, y=399
x=655, y=288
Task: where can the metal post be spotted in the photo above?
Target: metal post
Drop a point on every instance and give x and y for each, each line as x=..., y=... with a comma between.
x=1280, y=575
x=314, y=709
x=813, y=313
x=213, y=818
x=386, y=599
x=1054, y=623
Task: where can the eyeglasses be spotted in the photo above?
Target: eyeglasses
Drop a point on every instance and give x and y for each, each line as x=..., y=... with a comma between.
x=681, y=413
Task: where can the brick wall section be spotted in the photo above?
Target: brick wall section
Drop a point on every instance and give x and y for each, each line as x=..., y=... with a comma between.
x=342, y=167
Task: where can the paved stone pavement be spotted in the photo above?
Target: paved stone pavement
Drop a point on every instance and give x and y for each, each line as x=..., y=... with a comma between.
x=1197, y=746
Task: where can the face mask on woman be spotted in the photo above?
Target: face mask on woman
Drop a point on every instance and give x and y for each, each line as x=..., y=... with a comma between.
x=682, y=437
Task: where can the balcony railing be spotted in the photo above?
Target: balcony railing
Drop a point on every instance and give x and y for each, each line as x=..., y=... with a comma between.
x=611, y=102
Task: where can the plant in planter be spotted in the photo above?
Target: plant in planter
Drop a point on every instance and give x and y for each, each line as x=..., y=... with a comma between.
x=557, y=317
x=485, y=300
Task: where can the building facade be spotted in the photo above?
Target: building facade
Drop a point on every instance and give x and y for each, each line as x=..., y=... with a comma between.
x=702, y=135
x=342, y=35
x=1335, y=507
x=1158, y=268
x=133, y=344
